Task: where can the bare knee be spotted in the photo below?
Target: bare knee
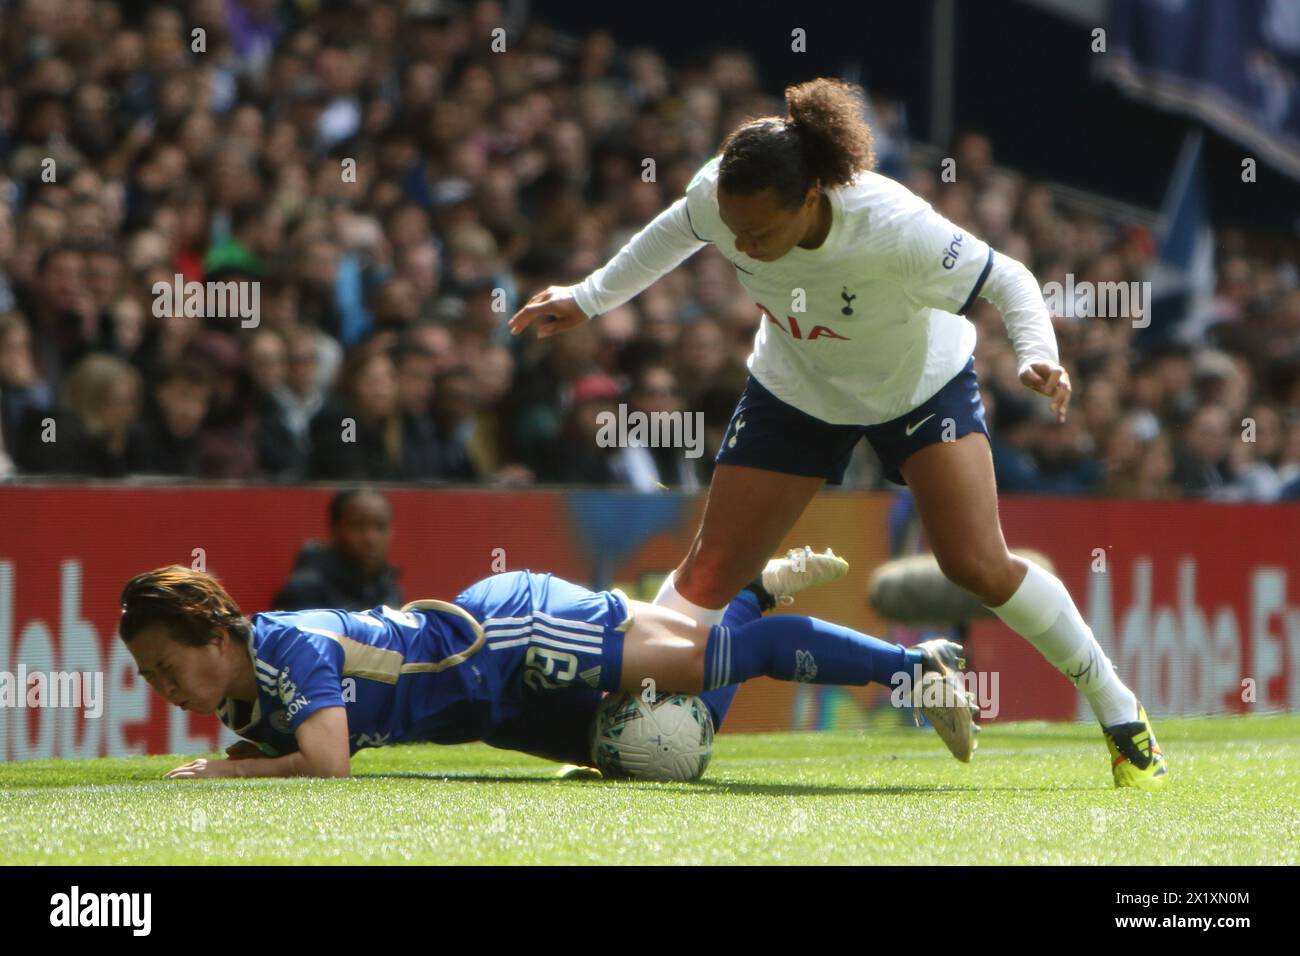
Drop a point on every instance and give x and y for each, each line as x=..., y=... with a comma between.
x=991, y=577
x=711, y=579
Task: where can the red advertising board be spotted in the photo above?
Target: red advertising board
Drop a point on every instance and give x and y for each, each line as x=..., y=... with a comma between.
x=1198, y=605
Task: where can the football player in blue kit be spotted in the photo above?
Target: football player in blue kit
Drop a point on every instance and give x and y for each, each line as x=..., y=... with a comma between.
x=519, y=660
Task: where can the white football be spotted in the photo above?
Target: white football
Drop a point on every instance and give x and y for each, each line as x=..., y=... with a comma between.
x=670, y=739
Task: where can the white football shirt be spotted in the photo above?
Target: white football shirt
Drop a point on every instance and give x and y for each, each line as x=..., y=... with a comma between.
x=860, y=330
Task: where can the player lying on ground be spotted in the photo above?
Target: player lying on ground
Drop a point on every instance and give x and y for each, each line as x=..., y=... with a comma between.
x=876, y=349
x=519, y=661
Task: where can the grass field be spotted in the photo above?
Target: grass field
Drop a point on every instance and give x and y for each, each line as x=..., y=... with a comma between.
x=1035, y=793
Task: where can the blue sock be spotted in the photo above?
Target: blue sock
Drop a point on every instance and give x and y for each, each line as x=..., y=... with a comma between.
x=741, y=611
x=806, y=649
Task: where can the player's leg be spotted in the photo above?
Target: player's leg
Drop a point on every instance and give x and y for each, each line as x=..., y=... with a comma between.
x=557, y=726
x=782, y=578
x=682, y=656
x=745, y=607
x=956, y=496
x=748, y=513
x=760, y=487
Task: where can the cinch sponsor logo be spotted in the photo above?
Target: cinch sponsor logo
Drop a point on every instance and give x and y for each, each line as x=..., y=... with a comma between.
x=74, y=909
x=953, y=251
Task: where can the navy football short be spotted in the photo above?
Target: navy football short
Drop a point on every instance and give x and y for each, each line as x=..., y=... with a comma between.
x=767, y=433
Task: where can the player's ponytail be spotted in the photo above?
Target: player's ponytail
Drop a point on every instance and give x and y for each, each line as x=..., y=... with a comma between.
x=824, y=138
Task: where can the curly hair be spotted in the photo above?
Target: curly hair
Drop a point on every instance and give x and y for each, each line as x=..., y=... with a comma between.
x=192, y=605
x=824, y=138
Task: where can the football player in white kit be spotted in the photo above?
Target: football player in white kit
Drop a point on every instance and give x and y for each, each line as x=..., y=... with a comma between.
x=862, y=287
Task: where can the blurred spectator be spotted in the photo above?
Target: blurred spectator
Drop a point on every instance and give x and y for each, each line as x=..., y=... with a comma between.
x=543, y=396
x=581, y=458
x=1066, y=463
x=227, y=442
x=660, y=461
x=493, y=373
x=365, y=432
x=280, y=429
x=391, y=189
x=62, y=311
x=702, y=361
x=293, y=403
x=1014, y=430
x=182, y=396
x=94, y=432
x=454, y=406
x=21, y=387
x=352, y=570
x=1201, y=459
x=1155, y=471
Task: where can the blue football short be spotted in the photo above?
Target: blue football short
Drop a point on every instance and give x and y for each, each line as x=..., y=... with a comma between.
x=558, y=646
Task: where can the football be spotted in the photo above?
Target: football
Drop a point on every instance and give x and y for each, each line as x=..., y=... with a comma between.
x=670, y=739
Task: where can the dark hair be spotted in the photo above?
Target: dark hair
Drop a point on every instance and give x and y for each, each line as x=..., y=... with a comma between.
x=192, y=605
x=188, y=369
x=404, y=350
x=339, y=503
x=355, y=362
x=246, y=214
x=823, y=139
x=49, y=255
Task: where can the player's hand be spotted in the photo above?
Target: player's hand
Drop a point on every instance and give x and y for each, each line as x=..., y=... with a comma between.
x=202, y=767
x=242, y=750
x=554, y=308
x=1051, y=380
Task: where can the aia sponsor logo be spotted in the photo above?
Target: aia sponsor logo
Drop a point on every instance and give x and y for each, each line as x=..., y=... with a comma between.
x=795, y=332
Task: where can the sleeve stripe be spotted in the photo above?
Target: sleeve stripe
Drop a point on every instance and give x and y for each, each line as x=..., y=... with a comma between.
x=687, y=207
x=979, y=284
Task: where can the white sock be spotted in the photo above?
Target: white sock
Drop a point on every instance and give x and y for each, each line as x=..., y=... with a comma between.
x=669, y=597
x=1043, y=613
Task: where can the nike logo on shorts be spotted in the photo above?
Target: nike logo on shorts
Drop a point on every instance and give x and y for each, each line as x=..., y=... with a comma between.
x=911, y=428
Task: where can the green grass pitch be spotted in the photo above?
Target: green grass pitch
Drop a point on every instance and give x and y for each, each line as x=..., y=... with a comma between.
x=1035, y=793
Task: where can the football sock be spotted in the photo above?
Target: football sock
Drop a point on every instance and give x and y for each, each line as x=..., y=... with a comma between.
x=1043, y=613
x=805, y=649
x=744, y=608
x=669, y=597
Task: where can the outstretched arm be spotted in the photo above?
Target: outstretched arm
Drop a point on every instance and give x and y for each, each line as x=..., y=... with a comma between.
x=653, y=252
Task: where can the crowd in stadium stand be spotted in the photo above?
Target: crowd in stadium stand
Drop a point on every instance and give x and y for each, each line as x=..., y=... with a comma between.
x=397, y=190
